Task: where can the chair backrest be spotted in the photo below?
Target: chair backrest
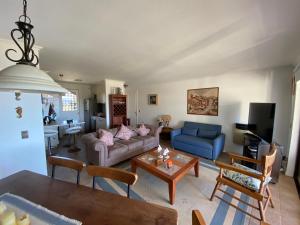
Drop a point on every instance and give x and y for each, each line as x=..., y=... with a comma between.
x=197, y=218
x=66, y=162
x=268, y=160
x=113, y=173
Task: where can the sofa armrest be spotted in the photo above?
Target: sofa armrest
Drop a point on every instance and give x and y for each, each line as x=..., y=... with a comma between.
x=218, y=145
x=94, y=147
x=174, y=133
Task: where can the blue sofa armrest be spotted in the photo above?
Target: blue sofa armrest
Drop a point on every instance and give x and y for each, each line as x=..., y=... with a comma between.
x=218, y=146
x=174, y=133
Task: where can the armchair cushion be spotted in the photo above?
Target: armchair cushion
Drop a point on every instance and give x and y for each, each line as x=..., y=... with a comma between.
x=245, y=180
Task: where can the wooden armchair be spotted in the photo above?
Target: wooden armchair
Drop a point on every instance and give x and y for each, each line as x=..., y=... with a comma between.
x=113, y=173
x=247, y=181
x=197, y=218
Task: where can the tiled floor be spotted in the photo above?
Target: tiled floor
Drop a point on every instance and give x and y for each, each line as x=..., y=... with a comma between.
x=285, y=196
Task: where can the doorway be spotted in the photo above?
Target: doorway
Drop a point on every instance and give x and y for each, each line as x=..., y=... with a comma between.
x=297, y=169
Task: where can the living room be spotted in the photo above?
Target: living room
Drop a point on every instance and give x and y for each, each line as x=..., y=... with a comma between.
x=162, y=69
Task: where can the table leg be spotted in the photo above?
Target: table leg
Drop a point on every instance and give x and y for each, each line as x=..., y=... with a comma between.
x=172, y=191
x=196, y=168
x=133, y=166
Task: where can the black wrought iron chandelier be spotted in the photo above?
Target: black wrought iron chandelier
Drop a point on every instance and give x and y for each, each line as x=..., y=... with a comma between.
x=24, y=31
x=24, y=76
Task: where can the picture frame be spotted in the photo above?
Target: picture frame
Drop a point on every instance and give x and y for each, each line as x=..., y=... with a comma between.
x=153, y=99
x=203, y=101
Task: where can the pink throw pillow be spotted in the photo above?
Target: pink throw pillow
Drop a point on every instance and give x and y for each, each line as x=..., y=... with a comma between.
x=106, y=137
x=124, y=133
x=143, y=131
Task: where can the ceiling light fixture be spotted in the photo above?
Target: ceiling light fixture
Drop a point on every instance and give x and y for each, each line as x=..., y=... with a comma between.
x=24, y=75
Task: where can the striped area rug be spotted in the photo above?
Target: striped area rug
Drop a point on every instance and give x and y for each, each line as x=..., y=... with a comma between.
x=192, y=193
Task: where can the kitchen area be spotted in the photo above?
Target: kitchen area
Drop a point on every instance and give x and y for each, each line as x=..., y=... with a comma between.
x=84, y=109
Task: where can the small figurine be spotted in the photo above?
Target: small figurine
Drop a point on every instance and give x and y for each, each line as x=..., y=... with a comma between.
x=19, y=112
x=159, y=151
x=18, y=95
x=169, y=164
x=166, y=153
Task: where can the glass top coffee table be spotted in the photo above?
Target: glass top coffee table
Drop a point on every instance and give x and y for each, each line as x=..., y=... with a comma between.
x=182, y=163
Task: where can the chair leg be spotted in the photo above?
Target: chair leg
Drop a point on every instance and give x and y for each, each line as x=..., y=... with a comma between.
x=94, y=182
x=214, y=191
x=78, y=177
x=270, y=196
x=53, y=171
x=261, y=211
x=128, y=191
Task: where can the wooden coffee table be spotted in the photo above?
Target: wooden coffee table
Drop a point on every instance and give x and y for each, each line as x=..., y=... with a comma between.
x=182, y=163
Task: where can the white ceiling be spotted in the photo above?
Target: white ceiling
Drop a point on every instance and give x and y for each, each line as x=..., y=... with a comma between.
x=158, y=40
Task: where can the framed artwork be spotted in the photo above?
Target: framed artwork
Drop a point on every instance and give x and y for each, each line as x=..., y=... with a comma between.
x=153, y=99
x=203, y=101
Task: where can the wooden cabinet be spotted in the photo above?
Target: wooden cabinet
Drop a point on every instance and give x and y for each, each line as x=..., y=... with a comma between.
x=117, y=110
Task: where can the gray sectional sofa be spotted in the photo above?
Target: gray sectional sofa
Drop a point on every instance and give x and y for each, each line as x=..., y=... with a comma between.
x=100, y=154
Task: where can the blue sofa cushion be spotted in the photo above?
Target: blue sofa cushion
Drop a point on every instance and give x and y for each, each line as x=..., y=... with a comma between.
x=196, y=141
x=189, y=131
x=204, y=126
x=211, y=134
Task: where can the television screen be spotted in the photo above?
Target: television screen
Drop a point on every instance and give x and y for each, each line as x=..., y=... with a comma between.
x=261, y=120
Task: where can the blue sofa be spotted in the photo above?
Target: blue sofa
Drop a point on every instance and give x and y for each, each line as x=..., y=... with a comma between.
x=204, y=140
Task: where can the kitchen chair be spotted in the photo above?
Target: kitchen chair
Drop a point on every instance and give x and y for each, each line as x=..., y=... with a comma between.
x=248, y=181
x=113, y=173
x=197, y=218
x=66, y=162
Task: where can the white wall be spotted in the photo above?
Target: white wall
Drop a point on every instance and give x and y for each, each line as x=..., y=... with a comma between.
x=236, y=91
x=16, y=153
x=99, y=90
x=84, y=91
x=295, y=130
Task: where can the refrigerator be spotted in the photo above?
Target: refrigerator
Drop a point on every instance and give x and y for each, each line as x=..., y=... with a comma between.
x=88, y=105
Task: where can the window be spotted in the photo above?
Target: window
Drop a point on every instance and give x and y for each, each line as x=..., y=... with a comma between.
x=69, y=101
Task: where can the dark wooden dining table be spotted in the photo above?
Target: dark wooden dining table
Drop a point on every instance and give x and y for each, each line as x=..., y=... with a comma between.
x=91, y=207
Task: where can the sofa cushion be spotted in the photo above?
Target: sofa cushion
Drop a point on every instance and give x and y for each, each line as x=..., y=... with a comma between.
x=189, y=131
x=211, y=134
x=132, y=144
x=244, y=180
x=142, y=130
x=106, y=137
x=147, y=140
x=196, y=141
x=124, y=133
x=116, y=150
x=203, y=126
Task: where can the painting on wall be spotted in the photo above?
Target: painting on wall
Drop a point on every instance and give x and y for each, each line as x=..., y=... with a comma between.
x=203, y=101
x=153, y=99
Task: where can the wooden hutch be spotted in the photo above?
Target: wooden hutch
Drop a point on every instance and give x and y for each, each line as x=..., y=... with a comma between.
x=117, y=110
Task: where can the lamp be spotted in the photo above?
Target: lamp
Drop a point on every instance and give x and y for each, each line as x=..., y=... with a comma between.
x=24, y=75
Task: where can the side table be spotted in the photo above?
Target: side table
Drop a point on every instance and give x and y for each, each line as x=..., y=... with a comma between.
x=166, y=133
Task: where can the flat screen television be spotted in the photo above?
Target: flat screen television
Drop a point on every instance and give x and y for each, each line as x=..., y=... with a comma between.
x=261, y=120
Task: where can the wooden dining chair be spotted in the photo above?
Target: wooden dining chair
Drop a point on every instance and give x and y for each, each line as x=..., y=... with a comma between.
x=197, y=218
x=248, y=181
x=66, y=162
x=113, y=173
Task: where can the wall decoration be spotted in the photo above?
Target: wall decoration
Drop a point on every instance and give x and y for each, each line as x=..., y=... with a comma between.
x=153, y=99
x=18, y=95
x=19, y=112
x=203, y=101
